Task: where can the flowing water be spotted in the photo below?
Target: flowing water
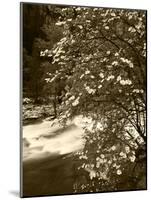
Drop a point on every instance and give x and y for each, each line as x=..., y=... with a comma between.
x=48, y=165
x=42, y=140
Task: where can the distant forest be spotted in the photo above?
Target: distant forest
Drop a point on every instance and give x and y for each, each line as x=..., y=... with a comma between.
x=37, y=36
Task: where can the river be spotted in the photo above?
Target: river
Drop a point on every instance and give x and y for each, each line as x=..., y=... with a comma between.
x=48, y=162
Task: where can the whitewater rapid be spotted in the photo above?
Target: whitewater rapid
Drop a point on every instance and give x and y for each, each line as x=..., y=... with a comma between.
x=43, y=139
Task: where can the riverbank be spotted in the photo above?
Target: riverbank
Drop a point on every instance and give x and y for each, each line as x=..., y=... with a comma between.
x=53, y=175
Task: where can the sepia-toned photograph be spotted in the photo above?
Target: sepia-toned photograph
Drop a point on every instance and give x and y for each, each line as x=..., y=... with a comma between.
x=83, y=99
